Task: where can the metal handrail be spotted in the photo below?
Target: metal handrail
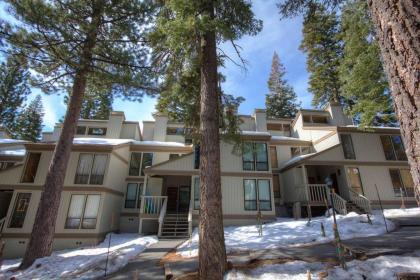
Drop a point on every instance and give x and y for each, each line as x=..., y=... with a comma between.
x=360, y=200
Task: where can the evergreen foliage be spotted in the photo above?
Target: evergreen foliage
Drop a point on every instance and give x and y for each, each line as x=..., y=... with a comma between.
x=362, y=76
x=14, y=88
x=29, y=122
x=281, y=100
x=323, y=49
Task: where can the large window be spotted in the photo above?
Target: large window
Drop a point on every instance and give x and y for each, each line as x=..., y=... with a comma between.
x=254, y=156
x=257, y=194
x=273, y=156
x=133, y=195
x=196, y=193
x=98, y=131
x=402, y=182
x=31, y=167
x=83, y=211
x=393, y=147
x=91, y=169
x=138, y=162
x=347, y=145
x=297, y=151
x=20, y=209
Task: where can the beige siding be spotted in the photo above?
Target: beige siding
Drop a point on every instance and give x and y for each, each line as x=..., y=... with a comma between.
x=154, y=186
x=185, y=163
x=148, y=131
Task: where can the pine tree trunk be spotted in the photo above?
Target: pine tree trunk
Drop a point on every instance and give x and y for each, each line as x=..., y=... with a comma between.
x=42, y=236
x=212, y=253
x=397, y=25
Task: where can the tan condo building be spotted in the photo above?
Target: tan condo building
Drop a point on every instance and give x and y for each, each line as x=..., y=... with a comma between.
x=123, y=179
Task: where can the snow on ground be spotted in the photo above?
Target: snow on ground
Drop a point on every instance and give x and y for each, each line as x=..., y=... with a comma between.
x=83, y=263
x=289, y=232
x=408, y=212
x=384, y=267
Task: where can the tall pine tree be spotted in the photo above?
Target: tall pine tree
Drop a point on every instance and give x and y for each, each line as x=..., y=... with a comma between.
x=281, y=101
x=362, y=76
x=29, y=122
x=323, y=49
x=68, y=44
x=14, y=88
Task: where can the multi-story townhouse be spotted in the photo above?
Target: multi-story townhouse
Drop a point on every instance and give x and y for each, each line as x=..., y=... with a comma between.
x=121, y=179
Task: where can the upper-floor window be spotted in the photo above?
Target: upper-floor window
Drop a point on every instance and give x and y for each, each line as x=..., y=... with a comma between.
x=254, y=156
x=133, y=195
x=257, y=194
x=278, y=126
x=315, y=119
x=402, y=182
x=98, y=131
x=83, y=211
x=31, y=167
x=347, y=145
x=138, y=162
x=20, y=209
x=273, y=156
x=81, y=130
x=91, y=169
x=393, y=147
x=297, y=151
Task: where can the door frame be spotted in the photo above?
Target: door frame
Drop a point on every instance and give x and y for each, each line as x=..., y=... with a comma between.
x=177, y=195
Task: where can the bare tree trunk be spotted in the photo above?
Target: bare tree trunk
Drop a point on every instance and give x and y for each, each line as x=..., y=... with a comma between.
x=397, y=25
x=212, y=253
x=42, y=236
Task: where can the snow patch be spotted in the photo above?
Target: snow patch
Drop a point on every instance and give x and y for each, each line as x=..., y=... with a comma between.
x=83, y=263
x=408, y=212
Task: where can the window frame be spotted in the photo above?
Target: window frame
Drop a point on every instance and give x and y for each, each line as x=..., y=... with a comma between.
x=257, y=195
x=139, y=194
x=352, y=154
x=15, y=205
x=85, y=129
x=395, y=155
x=22, y=180
x=140, y=170
x=91, y=168
x=255, y=163
x=91, y=128
x=401, y=181
x=82, y=216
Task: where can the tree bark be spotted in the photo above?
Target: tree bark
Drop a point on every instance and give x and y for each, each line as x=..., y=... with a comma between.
x=42, y=236
x=397, y=25
x=212, y=253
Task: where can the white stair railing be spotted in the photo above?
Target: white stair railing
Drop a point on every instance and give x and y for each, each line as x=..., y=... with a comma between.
x=317, y=192
x=162, y=215
x=360, y=200
x=2, y=222
x=339, y=203
x=190, y=210
x=152, y=205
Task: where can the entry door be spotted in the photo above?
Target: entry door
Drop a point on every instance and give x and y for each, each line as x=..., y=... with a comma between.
x=333, y=177
x=354, y=179
x=184, y=199
x=172, y=193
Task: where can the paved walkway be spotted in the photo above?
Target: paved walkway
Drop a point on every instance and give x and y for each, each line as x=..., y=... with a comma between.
x=146, y=265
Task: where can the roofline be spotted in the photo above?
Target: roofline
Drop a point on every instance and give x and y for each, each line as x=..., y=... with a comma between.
x=150, y=168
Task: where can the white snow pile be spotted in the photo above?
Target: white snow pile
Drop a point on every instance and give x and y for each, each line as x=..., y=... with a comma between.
x=289, y=232
x=383, y=267
x=83, y=263
x=408, y=212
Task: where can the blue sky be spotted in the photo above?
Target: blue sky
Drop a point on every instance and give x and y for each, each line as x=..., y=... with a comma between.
x=281, y=36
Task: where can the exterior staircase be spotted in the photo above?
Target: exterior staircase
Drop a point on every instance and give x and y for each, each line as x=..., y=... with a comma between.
x=352, y=207
x=175, y=226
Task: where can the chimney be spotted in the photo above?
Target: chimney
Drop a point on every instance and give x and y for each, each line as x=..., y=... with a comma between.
x=161, y=123
x=337, y=115
x=260, y=117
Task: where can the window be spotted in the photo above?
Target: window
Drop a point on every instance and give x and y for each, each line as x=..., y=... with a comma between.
x=257, y=190
x=31, y=167
x=20, y=209
x=402, y=182
x=307, y=118
x=297, y=151
x=274, y=126
x=91, y=169
x=81, y=130
x=175, y=131
x=196, y=193
x=276, y=186
x=99, y=131
x=134, y=164
x=83, y=211
x=146, y=161
x=319, y=119
x=5, y=164
x=347, y=145
x=133, y=195
x=254, y=156
x=354, y=179
x=393, y=147
x=273, y=156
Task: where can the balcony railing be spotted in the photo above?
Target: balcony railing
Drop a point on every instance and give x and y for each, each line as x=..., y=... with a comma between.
x=152, y=205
